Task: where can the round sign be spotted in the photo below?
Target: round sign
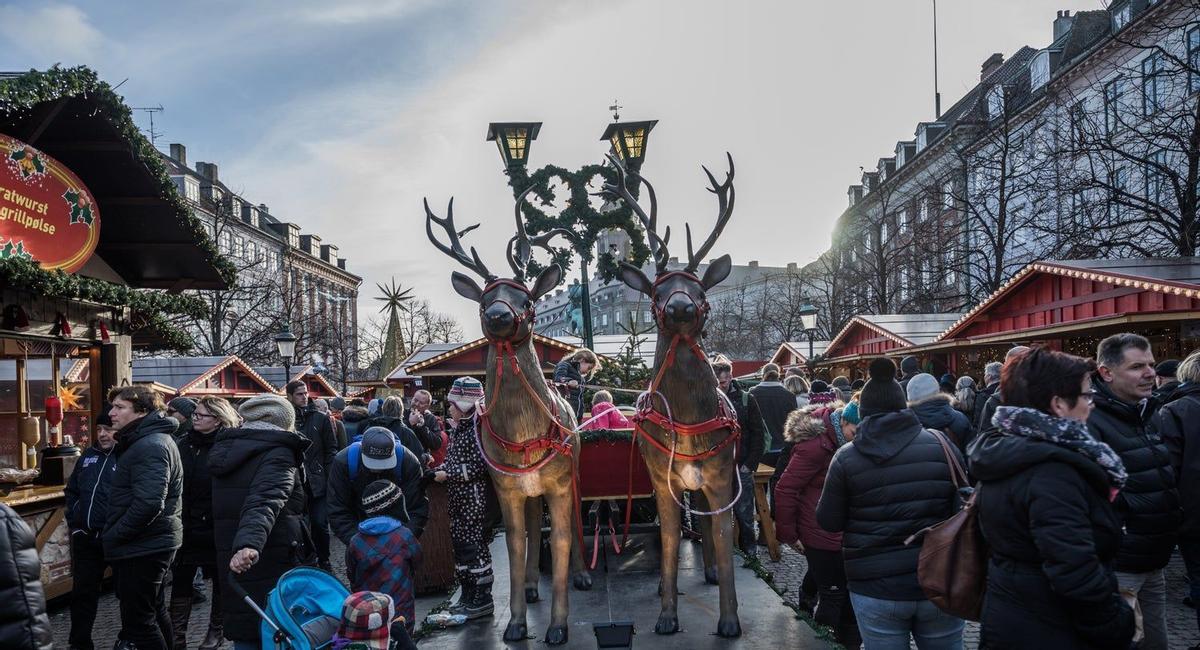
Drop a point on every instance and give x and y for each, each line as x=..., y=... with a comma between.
x=46, y=212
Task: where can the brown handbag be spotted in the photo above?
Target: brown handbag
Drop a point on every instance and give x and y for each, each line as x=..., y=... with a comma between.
x=952, y=568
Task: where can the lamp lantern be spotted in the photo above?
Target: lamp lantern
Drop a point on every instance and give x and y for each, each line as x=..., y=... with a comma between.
x=628, y=140
x=513, y=140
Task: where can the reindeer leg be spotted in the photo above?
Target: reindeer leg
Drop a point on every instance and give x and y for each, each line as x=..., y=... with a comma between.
x=512, y=505
x=706, y=529
x=580, y=576
x=720, y=492
x=561, y=528
x=533, y=528
x=668, y=519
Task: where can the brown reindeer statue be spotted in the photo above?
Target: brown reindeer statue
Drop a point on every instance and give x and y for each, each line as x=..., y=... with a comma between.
x=526, y=431
x=687, y=430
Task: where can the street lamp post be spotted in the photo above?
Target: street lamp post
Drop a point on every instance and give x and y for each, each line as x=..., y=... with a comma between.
x=285, y=341
x=808, y=320
x=628, y=141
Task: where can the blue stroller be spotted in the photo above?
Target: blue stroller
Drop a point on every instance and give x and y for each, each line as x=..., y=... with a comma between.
x=303, y=611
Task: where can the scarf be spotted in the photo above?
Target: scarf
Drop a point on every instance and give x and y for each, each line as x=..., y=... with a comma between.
x=1068, y=434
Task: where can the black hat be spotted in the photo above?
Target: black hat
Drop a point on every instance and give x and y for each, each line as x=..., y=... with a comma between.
x=819, y=386
x=384, y=499
x=857, y=384
x=379, y=449
x=104, y=419
x=1167, y=368
x=882, y=393
x=909, y=365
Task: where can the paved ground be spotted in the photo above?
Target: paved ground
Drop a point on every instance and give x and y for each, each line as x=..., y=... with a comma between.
x=786, y=574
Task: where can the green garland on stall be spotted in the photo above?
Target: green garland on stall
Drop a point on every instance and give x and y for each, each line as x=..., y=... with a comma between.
x=22, y=93
x=24, y=274
x=577, y=215
x=172, y=338
x=823, y=632
x=606, y=435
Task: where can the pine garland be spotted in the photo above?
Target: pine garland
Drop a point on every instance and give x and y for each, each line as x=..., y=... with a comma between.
x=28, y=275
x=606, y=435
x=823, y=632
x=22, y=93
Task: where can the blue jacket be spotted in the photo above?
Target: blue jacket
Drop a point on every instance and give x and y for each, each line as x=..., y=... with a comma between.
x=87, y=489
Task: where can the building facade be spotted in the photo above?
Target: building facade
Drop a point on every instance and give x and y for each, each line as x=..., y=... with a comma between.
x=284, y=276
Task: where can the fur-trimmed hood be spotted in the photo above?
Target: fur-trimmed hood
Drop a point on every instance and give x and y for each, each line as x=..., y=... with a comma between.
x=809, y=422
x=936, y=397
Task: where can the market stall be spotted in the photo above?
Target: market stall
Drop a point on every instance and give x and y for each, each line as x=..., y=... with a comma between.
x=89, y=221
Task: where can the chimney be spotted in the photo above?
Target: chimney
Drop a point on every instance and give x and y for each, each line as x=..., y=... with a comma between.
x=179, y=153
x=791, y=266
x=342, y=263
x=208, y=170
x=990, y=65
x=1062, y=25
x=329, y=253
x=262, y=207
x=310, y=244
x=753, y=264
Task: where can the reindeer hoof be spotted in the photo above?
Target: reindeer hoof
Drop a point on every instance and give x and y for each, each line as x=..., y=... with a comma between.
x=583, y=581
x=710, y=576
x=531, y=594
x=667, y=624
x=516, y=632
x=556, y=635
x=729, y=628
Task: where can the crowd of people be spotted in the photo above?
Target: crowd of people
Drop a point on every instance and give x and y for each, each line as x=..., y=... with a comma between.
x=1083, y=475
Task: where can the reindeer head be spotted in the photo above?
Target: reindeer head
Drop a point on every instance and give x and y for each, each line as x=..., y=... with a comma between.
x=505, y=305
x=678, y=298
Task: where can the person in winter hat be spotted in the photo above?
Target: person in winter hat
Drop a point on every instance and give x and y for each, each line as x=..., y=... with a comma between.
x=384, y=553
x=87, y=507
x=822, y=393
x=259, y=508
x=935, y=410
x=910, y=367
x=869, y=497
x=370, y=621
x=180, y=409
x=465, y=476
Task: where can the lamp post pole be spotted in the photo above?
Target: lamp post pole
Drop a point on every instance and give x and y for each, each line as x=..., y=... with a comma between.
x=285, y=342
x=628, y=142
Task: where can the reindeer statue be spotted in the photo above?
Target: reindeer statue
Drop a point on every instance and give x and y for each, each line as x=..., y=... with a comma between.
x=526, y=431
x=686, y=428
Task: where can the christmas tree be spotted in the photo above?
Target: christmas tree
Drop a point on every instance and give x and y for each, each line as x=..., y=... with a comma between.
x=394, y=350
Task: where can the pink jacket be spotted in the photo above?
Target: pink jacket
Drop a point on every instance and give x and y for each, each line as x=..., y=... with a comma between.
x=607, y=416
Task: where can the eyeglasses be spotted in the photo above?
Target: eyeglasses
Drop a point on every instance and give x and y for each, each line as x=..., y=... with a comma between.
x=1090, y=396
x=197, y=415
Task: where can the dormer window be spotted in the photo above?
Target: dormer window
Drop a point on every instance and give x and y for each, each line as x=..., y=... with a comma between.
x=922, y=142
x=995, y=101
x=1120, y=17
x=1039, y=70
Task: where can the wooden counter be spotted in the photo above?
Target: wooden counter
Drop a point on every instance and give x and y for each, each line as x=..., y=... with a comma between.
x=44, y=508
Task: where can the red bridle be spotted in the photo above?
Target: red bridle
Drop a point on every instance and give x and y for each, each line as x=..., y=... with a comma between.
x=519, y=317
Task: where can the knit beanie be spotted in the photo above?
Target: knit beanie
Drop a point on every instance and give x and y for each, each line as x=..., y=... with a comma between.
x=850, y=413
x=268, y=411
x=909, y=365
x=383, y=499
x=922, y=386
x=819, y=386
x=338, y=403
x=881, y=393
x=468, y=388
x=183, y=405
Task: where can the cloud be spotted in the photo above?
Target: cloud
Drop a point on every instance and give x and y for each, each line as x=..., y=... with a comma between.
x=352, y=12
x=62, y=31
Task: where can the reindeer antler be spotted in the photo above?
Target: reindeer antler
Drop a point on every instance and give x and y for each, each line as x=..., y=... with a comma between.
x=520, y=247
x=455, y=249
x=725, y=197
x=658, y=245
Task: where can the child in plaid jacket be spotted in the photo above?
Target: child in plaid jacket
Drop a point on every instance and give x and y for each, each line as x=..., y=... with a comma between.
x=383, y=552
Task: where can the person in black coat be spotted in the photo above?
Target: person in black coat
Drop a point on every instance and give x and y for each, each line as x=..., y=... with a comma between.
x=354, y=418
x=143, y=528
x=991, y=383
x=1149, y=503
x=423, y=422
x=1165, y=381
x=391, y=417
x=87, y=510
x=935, y=409
x=260, y=529
x=318, y=428
x=891, y=481
x=210, y=416
x=571, y=373
x=24, y=624
x=1044, y=507
x=1179, y=423
x=749, y=450
x=377, y=456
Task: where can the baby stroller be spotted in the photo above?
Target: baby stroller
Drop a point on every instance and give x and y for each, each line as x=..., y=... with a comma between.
x=303, y=610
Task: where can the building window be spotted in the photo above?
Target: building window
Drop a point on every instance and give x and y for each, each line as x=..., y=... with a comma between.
x=1120, y=17
x=1078, y=117
x=995, y=101
x=883, y=231
x=1152, y=84
x=646, y=318
x=1155, y=182
x=948, y=196
x=1039, y=70
x=1193, y=52
x=1118, y=182
x=902, y=222
x=1114, y=95
x=226, y=242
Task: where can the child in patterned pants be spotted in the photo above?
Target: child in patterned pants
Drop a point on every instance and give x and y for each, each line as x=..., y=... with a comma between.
x=465, y=476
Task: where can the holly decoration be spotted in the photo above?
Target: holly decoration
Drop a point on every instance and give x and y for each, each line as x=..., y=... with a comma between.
x=14, y=248
x=81, y=208
x=28, y=162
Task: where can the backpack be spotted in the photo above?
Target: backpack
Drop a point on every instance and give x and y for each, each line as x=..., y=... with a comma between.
x=766, y=433
x=354, y=459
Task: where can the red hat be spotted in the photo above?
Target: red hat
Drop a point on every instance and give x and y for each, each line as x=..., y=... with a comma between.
x=367, y=619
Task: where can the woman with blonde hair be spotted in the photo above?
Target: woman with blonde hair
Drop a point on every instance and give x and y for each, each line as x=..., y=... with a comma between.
x=572, y=371
x=211, y=416
x=797, y=386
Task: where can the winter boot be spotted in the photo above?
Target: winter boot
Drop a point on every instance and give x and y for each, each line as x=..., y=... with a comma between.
x=830, y=604
x=180, y=610
x=481, y=604
x=465, y=595
x=215, y=637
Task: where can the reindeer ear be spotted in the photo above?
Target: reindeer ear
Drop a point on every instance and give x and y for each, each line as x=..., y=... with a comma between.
x=546, y=282
x=466, y=287
x=633, y=278
x=716, y=272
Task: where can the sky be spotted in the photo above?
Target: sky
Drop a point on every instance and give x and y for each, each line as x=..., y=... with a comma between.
x=341, y=116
